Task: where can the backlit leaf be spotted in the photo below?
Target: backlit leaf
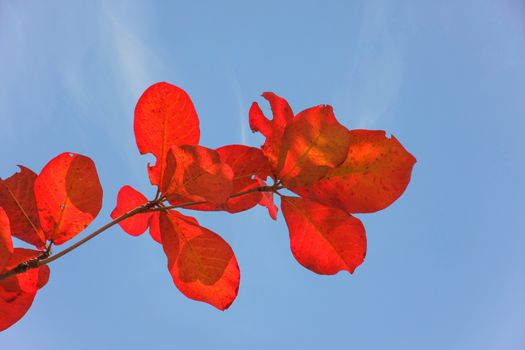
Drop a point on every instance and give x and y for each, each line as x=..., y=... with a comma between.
x=323, y=239
x=68, y=195
x=17, y=292
x=128, y=199
x=375, y=173
x=313, y=143
x=245, y=162
x=17, y=197
x=196, y=173
x=272, y=129
x=6, y=243
x=201, y=263
x=164, y=116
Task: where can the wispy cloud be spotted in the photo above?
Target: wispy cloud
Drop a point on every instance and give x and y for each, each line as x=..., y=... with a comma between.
x=376, y=77
x=242, y=113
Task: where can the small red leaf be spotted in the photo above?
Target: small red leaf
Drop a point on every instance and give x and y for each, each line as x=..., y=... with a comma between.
x=313, y=143
x=375, y=173
x=128, y=199
x=196, y=173
x=17, y=197
x=323, y=239
x=274, y=129
x=68, y=196
x=164, y=116
x=201, y=263
x=267, y=200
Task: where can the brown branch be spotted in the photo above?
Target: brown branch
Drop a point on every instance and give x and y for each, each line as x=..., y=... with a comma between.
x=155, y=205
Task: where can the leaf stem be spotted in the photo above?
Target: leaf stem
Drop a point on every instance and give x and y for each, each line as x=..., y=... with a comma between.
x=151, y=206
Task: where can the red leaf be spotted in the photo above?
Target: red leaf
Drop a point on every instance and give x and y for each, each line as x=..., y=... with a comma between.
x=313, y=143
x=272, y=129
x=17, y=292
x=267, y=200
x=164, y=116
x=68, y=196
x=375, y=173
x=17, y=197
x=196, y=173
x=245, y=162
x=128, y=199
x=323, y=239
x=201, y=263
x=6, y=243
x=154, y=227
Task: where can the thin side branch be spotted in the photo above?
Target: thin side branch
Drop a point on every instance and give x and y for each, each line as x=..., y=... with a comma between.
x=154, y=205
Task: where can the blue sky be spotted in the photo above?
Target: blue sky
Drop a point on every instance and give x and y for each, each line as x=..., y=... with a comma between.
x=445, y=267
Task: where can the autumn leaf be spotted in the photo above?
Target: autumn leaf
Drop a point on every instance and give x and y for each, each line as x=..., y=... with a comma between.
x=246, y=163
x=267, y=200
x=68, y=195
x=313, y=143
x=17, y=197
x=272, y=129
x=323, y=239
x=128, y=199
x=17, y=292
x=164, y=116
x=196, y=173
x=375, y=173
x=201, y=263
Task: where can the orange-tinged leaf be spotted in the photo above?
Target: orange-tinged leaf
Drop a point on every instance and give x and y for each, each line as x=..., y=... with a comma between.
x=246, y=163
x=6, y=243
x=375, y=173
x=17, y=197
x=68, y=195
x=196, y=173
x=154, y=227
x=128, y=199
x=17, y=292
x=267, y=200
x=164, y=116
x=272, y=129
x=313, y=143
x=323, y=239
x=201, y=263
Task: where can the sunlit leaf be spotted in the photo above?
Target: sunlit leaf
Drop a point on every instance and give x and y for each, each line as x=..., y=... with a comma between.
x=375, y=173
x=323, y=239
x=17, y=292
x=196, y=173
x=272, y=129
x=164, y=116
x=313, y=143
x=201, y=263
x=68, y=195
x=17, y=197
x=128, y=199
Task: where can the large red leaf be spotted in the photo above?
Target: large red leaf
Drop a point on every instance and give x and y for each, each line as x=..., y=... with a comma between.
x=17, y=197
x=272, y=129
x=313, y=143
x=68, y=195
x=375, y=173
x=201, y=263
x=246, y=163
x=196, y=173
x=128, y=199
x=164, y=116
x=323, y=239
x=17, y=292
